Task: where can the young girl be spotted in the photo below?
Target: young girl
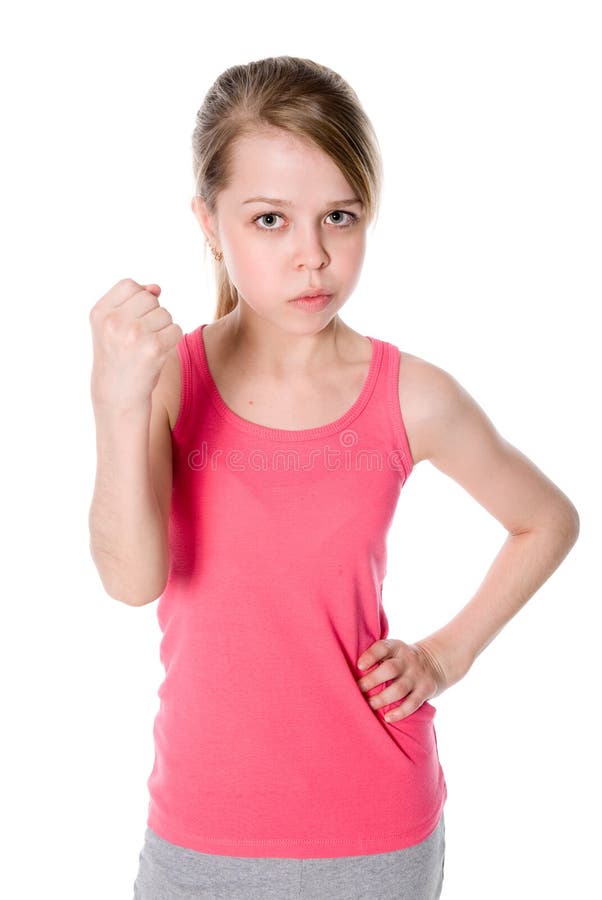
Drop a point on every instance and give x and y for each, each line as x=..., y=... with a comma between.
x=248, y=473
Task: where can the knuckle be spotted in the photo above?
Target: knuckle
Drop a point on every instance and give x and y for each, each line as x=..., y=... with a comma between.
x=111, y=323
x=114, y=324
x=133, y=331
x=152, y=346
x=406, y=688
x=396, y=667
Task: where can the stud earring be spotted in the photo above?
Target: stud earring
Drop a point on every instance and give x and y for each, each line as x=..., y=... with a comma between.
x=218, y=255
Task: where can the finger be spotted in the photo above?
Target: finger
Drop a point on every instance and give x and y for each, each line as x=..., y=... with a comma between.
x=375, y=653
x=157, y=318
x=394, y=689
x=384, y=672
x=393, y=692
x=121, y=292
x=402, y=711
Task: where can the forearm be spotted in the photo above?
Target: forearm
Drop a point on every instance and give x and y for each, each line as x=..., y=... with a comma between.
x=128, y=540
x=525, y=562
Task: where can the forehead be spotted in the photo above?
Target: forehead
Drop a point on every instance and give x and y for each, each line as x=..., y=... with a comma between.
x=274, y=163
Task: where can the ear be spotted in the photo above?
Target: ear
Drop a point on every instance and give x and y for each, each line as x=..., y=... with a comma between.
x=204, y=218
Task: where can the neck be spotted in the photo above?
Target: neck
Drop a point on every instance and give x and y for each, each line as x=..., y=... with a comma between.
x=275, y=351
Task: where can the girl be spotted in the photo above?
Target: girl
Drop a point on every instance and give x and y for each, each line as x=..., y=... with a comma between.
x=248, y=473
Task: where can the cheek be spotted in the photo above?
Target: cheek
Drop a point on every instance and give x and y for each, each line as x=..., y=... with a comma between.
x=351, y=264
x=359, y=248
x=256, y=270
x=260, y=260
x=351, y=257
x=250, y=259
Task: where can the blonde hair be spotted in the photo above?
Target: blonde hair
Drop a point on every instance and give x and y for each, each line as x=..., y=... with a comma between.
x=297, y=95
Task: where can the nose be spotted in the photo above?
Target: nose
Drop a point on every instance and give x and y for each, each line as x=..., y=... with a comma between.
x=310, y=252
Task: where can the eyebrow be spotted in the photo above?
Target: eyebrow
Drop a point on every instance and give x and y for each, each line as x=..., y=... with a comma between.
x=350, y=201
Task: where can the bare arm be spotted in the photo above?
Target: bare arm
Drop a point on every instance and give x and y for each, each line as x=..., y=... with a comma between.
x=451, y=430
x=132, y=338
x=129, y=509
x=461, y=441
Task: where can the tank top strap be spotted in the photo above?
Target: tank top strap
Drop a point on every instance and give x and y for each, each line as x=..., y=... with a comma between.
x=377, y=409
x=193, y=387
x=385, y=409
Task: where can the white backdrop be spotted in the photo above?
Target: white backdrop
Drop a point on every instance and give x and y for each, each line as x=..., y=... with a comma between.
x=485, y=261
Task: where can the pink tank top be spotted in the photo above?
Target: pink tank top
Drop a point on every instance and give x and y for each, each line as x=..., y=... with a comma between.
x=265, y=746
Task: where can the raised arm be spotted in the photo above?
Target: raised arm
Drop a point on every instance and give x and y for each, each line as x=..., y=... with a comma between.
x=134, y=339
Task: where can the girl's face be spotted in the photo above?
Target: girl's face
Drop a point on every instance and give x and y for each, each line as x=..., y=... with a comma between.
x=310, y=235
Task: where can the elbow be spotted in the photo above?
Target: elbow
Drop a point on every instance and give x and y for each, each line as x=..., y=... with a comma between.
x=576, y=523
x=566, y=523
x=568, y=520
x=143, y=599
x=560, y=519
x=137, y=594
x=129, y=591
x=131, y=599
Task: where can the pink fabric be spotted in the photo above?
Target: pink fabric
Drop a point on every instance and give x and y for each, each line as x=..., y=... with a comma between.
x=264, y=743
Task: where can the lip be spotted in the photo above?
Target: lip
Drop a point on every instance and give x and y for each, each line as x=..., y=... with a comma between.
x=314, y=292
x=312, y=302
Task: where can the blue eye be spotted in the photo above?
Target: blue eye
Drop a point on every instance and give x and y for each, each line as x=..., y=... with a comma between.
x=274, y=215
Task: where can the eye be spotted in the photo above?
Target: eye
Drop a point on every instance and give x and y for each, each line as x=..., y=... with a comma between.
x=267, y=216
x=341, y=212
x=273, y=215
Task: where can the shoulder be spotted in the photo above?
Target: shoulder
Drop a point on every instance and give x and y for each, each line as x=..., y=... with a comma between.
x=447, y=426
x=431, y=400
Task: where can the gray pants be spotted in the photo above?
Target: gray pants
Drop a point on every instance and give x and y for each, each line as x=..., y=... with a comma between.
x=170, y=872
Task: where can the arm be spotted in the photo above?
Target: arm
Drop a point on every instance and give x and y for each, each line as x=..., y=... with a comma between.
x=542, y=523
x=128, y=516
x=451, y=430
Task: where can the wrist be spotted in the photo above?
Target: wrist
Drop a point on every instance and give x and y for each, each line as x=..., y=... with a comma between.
x=109, y=411
x=450, y=657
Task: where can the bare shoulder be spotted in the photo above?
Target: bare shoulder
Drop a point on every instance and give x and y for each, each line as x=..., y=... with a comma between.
x=169, y=386
x=447, y=426
x=430, y=398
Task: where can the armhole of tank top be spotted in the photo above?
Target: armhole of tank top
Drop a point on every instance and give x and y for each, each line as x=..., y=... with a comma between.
x=399, y=430
x=186, y=387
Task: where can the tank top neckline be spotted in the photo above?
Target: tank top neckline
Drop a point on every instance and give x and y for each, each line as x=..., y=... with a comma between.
x=289, y=434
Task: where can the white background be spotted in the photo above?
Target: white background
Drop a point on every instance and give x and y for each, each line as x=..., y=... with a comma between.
x=485, y=260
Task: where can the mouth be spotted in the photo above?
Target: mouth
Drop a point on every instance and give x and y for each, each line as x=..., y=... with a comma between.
x=311, y=295
x=312, y=301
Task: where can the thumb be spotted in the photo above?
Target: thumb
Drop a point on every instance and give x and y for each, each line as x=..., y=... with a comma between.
x=153, y=288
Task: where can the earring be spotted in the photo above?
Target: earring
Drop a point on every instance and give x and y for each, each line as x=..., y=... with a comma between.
x=218, y=255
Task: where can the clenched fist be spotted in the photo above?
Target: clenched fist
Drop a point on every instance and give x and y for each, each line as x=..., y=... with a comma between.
x=131, y=335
